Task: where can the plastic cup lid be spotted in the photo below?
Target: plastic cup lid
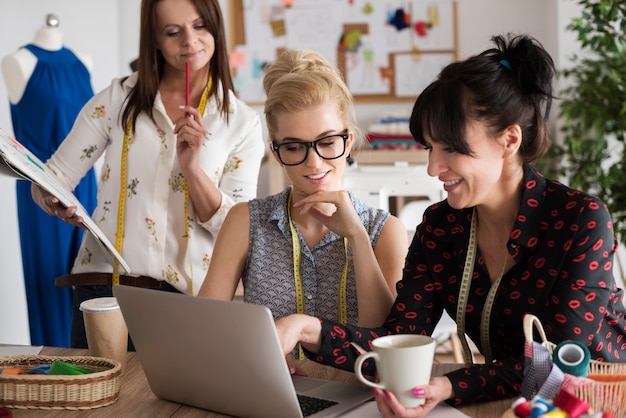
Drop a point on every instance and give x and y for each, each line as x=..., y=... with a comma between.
x=106, y=304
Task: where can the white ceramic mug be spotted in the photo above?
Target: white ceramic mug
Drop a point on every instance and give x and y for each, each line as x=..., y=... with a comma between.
x=107, y=334
x=403, y=362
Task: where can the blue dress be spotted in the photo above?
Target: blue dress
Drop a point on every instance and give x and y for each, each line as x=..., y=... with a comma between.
x=57, y=90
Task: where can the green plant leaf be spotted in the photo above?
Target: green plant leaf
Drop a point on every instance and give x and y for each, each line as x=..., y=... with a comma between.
x=593, y=109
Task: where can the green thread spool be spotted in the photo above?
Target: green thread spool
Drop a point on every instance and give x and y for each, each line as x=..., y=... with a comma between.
x=572, y=357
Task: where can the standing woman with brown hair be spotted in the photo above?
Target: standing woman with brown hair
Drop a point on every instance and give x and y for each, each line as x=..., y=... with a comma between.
x=179, y=149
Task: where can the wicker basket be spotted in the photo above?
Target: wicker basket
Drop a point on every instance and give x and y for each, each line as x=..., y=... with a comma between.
x=35, y=391
x=601, y=396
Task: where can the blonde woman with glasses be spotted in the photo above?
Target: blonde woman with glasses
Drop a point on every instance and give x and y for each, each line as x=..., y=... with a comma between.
x=314, y=248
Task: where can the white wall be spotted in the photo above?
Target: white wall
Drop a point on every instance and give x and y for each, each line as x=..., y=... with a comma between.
x=108, y=32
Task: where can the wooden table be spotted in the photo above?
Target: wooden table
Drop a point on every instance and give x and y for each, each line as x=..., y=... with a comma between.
x=137, y=400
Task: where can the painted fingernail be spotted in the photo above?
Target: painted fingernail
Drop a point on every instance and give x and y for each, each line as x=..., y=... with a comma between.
x=376, y=391
x=387, y=395
x=419, y=392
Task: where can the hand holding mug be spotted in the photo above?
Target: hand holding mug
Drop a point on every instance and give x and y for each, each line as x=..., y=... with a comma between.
x=404, y=362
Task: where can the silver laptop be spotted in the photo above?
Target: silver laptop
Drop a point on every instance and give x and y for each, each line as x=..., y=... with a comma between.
x=225, y=357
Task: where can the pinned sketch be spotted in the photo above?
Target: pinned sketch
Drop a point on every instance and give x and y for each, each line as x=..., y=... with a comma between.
x=415, y=71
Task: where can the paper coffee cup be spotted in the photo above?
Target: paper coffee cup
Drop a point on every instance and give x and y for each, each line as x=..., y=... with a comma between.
x=107, y=335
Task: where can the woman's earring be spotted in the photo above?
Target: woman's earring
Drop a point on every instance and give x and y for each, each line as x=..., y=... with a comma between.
x=349, y=159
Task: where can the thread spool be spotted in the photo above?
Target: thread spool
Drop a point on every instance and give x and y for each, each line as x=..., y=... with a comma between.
x=521, y=408
x=555, y=413
x=569, y=403
x=537, y=401
x=572, y=357
x=538, y=409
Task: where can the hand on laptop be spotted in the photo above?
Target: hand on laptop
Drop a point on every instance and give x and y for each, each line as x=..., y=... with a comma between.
x=291, y=363
x=294, y=367
x=299, y=328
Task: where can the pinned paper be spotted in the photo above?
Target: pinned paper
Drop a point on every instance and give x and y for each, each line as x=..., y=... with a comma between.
x=237, y=59
x=278, y=27
x=386, y=73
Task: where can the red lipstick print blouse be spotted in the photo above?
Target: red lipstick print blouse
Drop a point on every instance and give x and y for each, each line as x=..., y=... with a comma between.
x=563, y=246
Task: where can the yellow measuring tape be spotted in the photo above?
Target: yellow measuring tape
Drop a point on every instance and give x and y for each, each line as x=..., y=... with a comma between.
x=119, y=235
x=463, y=296
x=297, y=278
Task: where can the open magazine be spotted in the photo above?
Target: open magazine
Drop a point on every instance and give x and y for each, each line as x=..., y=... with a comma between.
x=17, y=161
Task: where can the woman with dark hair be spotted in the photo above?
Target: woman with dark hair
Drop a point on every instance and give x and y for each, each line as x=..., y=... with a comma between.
x=504, y=243
x=179, y=150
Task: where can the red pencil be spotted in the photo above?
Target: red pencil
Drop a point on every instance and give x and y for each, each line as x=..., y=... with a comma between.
x=187, y=83
x=186, y=86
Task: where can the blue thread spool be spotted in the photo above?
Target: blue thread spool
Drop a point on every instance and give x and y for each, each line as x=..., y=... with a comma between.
x=540, y=401
x=572, y=357
x=538, y=409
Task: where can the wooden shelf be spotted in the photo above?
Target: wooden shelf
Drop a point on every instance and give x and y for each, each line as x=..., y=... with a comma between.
x=412, y=156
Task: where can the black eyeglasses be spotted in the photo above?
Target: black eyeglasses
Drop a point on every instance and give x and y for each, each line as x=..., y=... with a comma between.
x=329, y=147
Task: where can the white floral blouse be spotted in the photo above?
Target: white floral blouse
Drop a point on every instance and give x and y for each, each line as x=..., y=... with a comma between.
x=157, y=241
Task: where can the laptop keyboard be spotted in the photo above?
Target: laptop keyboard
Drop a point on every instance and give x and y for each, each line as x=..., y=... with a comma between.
x=310, y=405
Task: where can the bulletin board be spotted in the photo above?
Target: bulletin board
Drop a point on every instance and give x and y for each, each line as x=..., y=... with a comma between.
x=387, y=50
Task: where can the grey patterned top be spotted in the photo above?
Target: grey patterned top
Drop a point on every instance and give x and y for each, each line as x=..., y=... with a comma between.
x=268, y=275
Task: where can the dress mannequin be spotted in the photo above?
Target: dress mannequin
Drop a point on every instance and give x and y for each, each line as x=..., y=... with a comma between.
x=18, y=67
x=48, y=85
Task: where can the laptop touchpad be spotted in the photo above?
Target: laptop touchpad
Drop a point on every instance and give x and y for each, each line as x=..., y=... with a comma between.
x=305, y=384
